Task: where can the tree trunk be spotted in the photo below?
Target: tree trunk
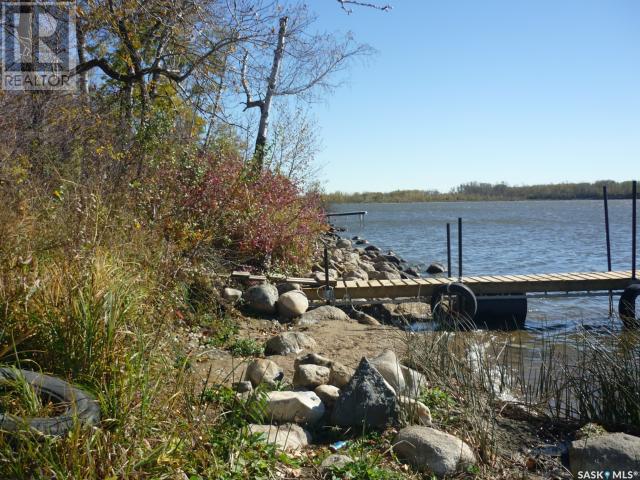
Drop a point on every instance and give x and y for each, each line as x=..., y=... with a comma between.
x=83, y=80
x=261, y=139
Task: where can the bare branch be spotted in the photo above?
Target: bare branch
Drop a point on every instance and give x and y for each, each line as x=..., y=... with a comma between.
x=344, y=4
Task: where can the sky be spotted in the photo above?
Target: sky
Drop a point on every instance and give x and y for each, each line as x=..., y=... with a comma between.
x=520, y=91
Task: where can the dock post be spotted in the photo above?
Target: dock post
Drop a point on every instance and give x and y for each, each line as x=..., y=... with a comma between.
x=460, y=249
x=634, y=192
x=326, y=275
x=608, y=238
x=449, y=250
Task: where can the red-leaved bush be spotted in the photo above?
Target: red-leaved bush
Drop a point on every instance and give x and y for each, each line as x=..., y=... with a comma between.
x=258, y=217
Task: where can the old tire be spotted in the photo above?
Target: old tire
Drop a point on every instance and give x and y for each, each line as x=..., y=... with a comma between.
x=466, y=304
x=627, y=306
x=81, y=406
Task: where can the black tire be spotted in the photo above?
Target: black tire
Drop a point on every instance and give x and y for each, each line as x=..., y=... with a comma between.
x=81, y=406
x=627, y=306
x=467, y=303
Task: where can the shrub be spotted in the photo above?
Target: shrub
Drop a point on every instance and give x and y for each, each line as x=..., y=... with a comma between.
x=261, y=218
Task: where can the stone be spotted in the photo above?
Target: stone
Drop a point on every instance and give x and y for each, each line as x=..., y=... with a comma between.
x=231, y=294
x=262, y=298
x=372, y=248
x=367, y=267
x=328, y=394
x=264, y=371
x=287, y=437
x=382, y=266
x=362, y=242
x=617, y=451
x=412, y=271
x=313, y=359
x=356, y=274
x=343, y=243
x=289, y=342
x=340, y=375
x=393, y=258
x=296, y=407
x=384, y=276
x=365, y=319
x=413, y=311
x=388, y=366
x=415, y=410
x=435, y=268
x=428, y=449
x=325, y=312
x=366, y=401
x=310, y=376
x=289, y=286
x=320, y=278
x=334, y=461
x=414, y=381
x=292, y=304
x=243, y=387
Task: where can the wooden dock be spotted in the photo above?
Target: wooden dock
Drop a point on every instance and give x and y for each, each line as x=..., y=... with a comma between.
x=480, y=285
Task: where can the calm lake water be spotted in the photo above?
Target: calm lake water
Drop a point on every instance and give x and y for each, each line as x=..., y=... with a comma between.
x=509, y=238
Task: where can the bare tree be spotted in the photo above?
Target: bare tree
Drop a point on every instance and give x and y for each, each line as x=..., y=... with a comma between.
x=346, y=5
x=300, y=64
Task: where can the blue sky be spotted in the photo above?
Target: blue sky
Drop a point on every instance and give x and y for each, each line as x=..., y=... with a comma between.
x=519, y=91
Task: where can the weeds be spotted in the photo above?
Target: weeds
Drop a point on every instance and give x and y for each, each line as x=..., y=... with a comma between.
x=246, y=347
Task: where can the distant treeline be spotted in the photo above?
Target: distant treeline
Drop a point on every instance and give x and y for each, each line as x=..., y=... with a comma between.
x=475, y=191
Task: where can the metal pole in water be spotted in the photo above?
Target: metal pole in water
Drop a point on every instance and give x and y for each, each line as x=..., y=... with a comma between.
x=634, y=191
x=606, y=228
x=460, y=248
x=448, y=250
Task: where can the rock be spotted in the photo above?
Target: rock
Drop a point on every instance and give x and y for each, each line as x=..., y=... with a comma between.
x=312, y=359
x=415, y=410
x=328, y=394
x=243, y=387
x=414, y=381
x=413, y=311
x=296, y=407
x=320, y=278
x=428, y=449
x=362, y=242
x=231, y=294
x=286, y=437
x=388, y=366
x=412, y=272
x=289, y=342
x=372, y=248
x=310, y=376
x=393, y=258
x=343, y=243
x=382, y=266
x=356, y=274
x=262, y=298
x=292, y=304
x=435, y=268
x=384, y=276
x=365, y=319
x=334, y=461
x=367, y=267
x=325, y=312
x=340, y=375
x=617, y=451
x=366, y=401
x=288, y=287
x=264, y=371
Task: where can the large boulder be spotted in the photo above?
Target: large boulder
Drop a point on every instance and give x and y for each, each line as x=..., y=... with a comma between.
x=286, y=437
x=334, y=461
x=343, y=243
x=262, y=298
x=292, y=304
x=310, y=376
x=296, y=407
x=323, y=313
x=436, y=268
x=340, y=375
x=328, y=394
x=387, y=364
x=355, y=274
x=264, y=371
x=289, y=342
x=617, y=451
x=428, y=449
x=366, y=401
x=288, y=287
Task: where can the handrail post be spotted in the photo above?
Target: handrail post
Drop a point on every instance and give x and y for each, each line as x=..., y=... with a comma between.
x=608, y=239
x=460, y=249
x=449, y=250
x=634, y=193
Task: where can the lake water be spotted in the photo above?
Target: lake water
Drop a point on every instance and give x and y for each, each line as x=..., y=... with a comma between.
x=509, y=238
